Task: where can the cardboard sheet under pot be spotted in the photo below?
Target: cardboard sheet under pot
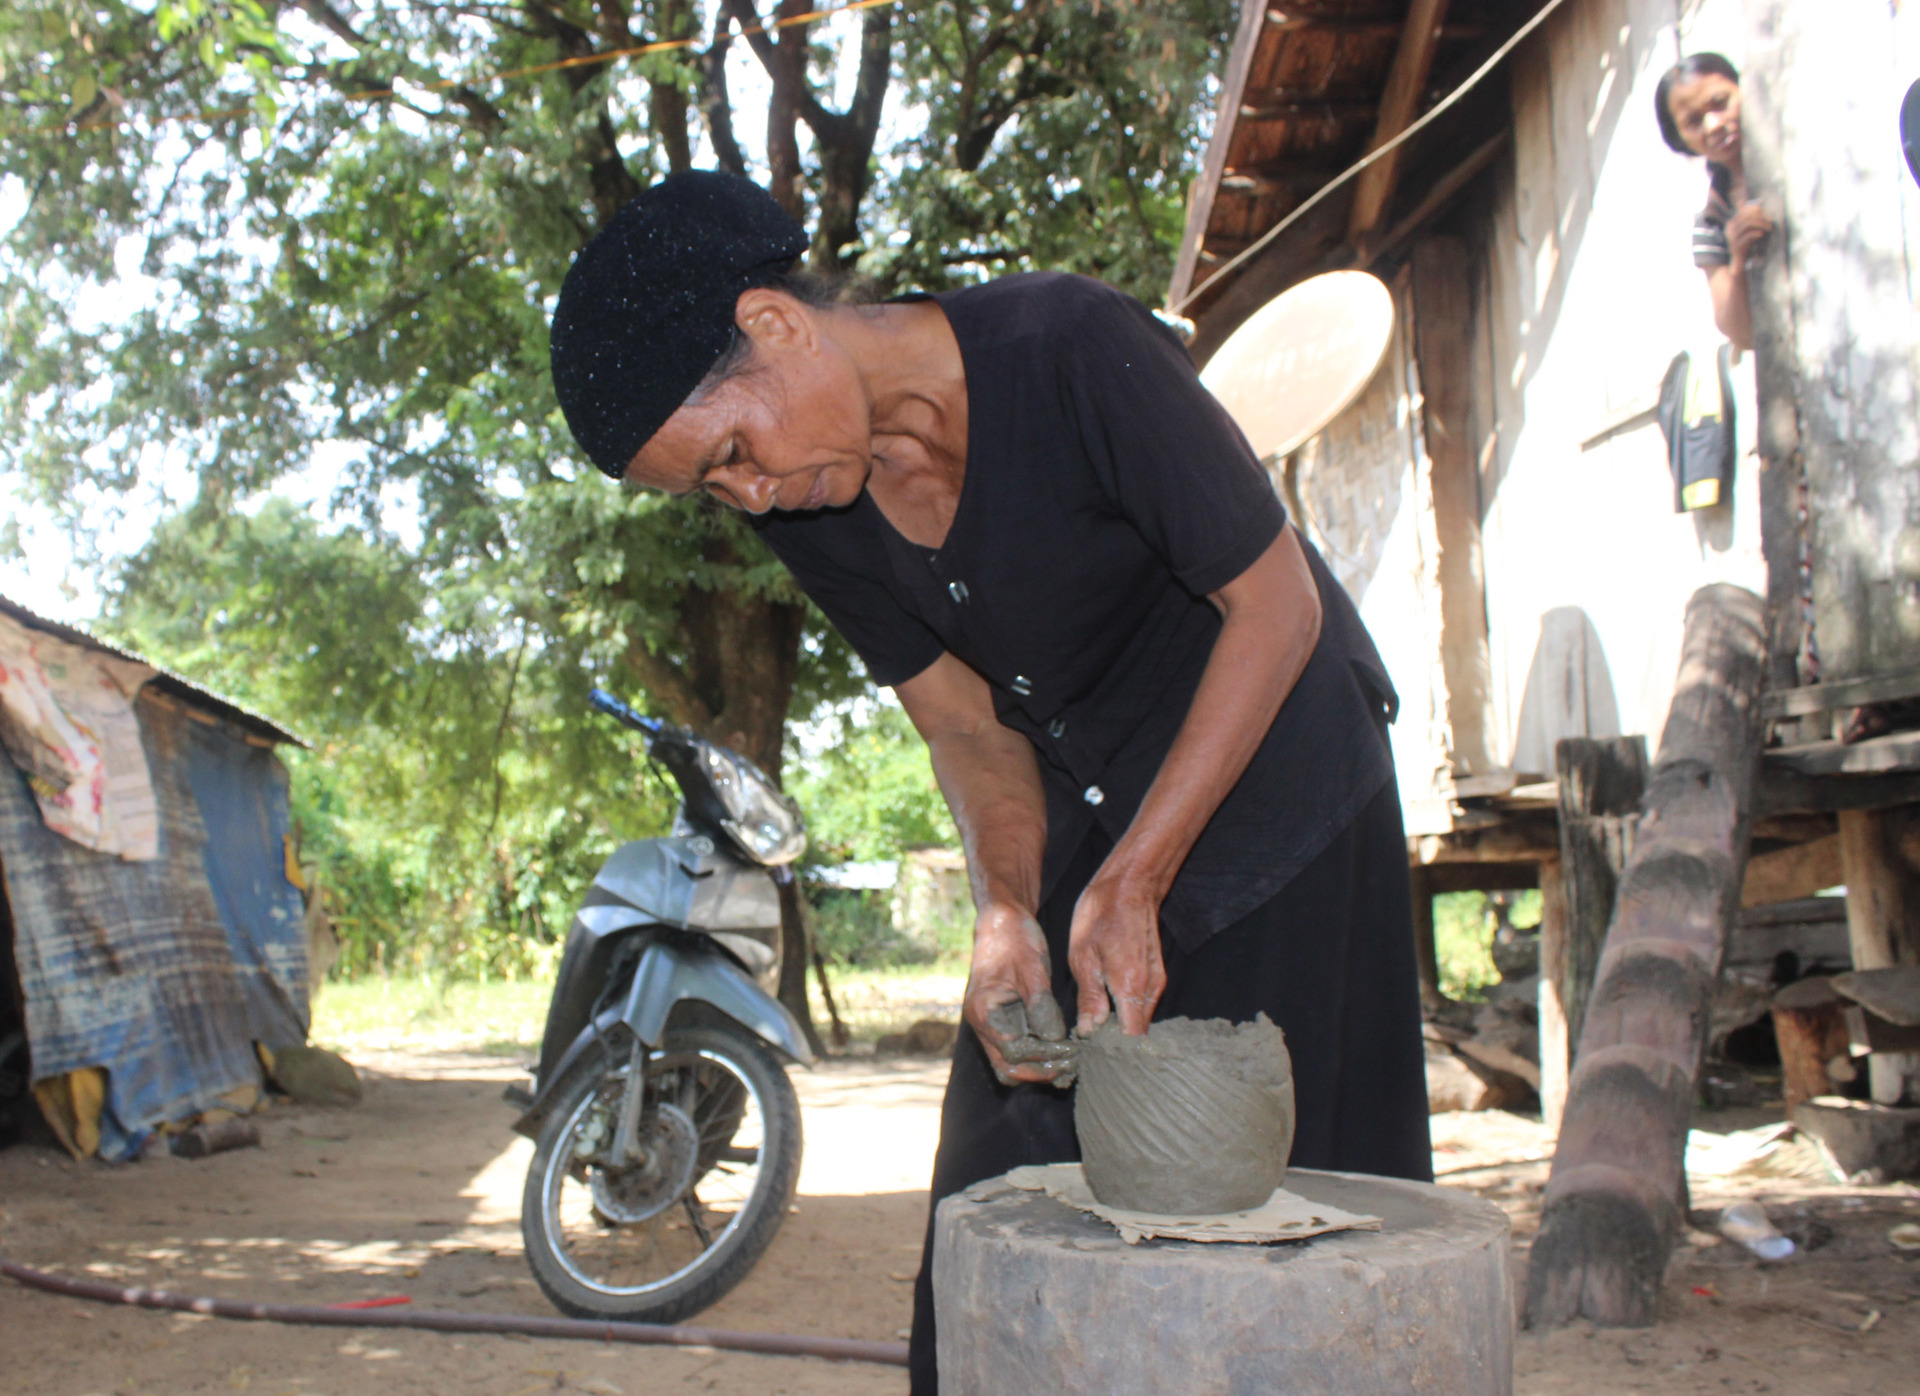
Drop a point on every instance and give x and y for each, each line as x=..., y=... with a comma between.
x=1196, y=1117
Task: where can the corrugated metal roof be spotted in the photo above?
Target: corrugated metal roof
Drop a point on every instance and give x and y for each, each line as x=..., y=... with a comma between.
x=165, y=681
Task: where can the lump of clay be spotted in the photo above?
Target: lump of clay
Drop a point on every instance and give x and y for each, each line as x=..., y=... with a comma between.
x=1196, y=1117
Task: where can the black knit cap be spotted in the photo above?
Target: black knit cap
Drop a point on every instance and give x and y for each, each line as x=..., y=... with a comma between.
x=647, y=308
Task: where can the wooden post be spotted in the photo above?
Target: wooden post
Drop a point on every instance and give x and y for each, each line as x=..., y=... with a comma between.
x=1883, y=901
x=1426, y=953
x=1799, y=870
x=1776, y=384
x=1834, y=317
x=1601, y=783
x=1556, y=1047
x=1809, y=1021
x=1881, y=892
x=1443, y=332
x=1613, y=1202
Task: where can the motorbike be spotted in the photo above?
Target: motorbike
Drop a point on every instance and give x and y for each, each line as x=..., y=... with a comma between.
x=666, y=1133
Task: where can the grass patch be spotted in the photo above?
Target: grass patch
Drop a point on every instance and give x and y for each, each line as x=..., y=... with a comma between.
x=1463, y=929
x=401, y=1011
x=877, y=1000
x=404, y=1011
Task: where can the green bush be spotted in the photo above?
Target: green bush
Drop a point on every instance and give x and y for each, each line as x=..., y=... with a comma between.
x=1463, y=926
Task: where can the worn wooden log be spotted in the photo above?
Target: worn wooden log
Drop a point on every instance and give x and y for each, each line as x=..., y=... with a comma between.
x=1613, y=1201
x=1601, y=782
x=1810, y=1023
x=215, y=1137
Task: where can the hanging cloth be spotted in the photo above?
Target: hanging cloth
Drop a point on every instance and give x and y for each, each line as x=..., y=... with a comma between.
x=66, y=720
x=1696, y=416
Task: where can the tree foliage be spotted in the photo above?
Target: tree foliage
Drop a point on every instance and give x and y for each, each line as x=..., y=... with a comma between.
x=455, y=804
x=869, y=794
x=261, y=243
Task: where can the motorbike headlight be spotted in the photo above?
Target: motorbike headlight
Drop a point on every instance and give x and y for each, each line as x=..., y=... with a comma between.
x=764, y=822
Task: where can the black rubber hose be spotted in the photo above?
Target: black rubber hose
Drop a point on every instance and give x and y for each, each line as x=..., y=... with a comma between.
x=444, y=1321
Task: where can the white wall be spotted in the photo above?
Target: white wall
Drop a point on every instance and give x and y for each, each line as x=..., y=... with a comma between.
x=1592, y=291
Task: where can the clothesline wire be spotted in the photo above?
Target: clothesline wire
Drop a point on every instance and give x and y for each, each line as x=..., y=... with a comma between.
x=578, y=61
x=1379, y=153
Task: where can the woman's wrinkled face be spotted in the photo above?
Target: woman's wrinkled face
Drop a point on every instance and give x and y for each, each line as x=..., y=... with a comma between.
x=789, y=431
x=1706, y=110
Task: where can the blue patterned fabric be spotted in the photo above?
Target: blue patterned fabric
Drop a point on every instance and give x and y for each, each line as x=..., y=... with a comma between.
x=241, y=791
x=133, y=966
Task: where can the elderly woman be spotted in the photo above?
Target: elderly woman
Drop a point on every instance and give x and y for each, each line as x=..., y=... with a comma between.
x=1157, y=719
x=1697, y=104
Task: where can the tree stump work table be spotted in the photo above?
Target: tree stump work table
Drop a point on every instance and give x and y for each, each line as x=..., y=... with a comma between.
x=1035, y=1297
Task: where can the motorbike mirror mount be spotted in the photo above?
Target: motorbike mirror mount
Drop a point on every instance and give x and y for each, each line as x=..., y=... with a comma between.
x=613, y=707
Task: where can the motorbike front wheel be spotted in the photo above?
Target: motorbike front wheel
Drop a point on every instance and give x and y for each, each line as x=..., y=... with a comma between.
x=674, y=1227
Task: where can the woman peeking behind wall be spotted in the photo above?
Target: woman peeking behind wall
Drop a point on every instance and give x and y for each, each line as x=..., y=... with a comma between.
x=1698, y=107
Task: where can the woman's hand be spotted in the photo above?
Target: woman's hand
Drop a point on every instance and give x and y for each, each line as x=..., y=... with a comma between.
x=1270, y=622
x=1114, y=951
x=1011, y=967
x=991, y=779
x=1745, y=231
x=1732, y=309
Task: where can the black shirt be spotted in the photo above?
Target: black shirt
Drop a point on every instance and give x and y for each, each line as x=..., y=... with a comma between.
x=1106, y=494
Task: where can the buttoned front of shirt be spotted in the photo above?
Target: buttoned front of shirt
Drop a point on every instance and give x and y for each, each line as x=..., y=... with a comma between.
x=1106, y=495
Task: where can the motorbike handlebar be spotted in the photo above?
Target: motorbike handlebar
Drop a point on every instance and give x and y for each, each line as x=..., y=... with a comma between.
x=614, y=708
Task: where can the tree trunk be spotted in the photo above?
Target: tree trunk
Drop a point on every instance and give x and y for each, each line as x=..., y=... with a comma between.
x=845, y=142
x=667, y=103
x=1614, y=1199
x=741, y=646
x=788, y=71
x=796, y=952
x=742, y=649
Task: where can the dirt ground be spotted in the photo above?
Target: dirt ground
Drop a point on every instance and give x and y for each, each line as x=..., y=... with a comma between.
x=416, y=1192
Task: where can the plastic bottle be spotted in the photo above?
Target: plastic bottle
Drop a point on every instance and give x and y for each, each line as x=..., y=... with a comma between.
x=1746, y=1222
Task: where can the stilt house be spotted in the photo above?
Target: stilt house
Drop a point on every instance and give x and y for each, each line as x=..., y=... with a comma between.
x=1500, y=504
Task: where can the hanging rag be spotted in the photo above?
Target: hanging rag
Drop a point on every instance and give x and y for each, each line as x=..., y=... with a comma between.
x=66, y=719
x=1696, y=417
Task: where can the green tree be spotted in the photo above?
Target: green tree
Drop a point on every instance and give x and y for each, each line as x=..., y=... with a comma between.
x=1058, y=136
x=871, y=793
x=349, y=223
x=455, y=805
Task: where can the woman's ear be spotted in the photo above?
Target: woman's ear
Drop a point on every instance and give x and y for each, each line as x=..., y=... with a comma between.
x=773, y=320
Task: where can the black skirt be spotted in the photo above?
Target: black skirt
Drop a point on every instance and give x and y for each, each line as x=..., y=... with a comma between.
x=1330, y=959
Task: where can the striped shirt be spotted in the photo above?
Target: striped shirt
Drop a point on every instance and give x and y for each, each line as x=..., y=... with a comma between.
x=1710, y=246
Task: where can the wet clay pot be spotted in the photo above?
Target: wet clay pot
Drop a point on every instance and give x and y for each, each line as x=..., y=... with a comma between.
x=1194, y=1118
